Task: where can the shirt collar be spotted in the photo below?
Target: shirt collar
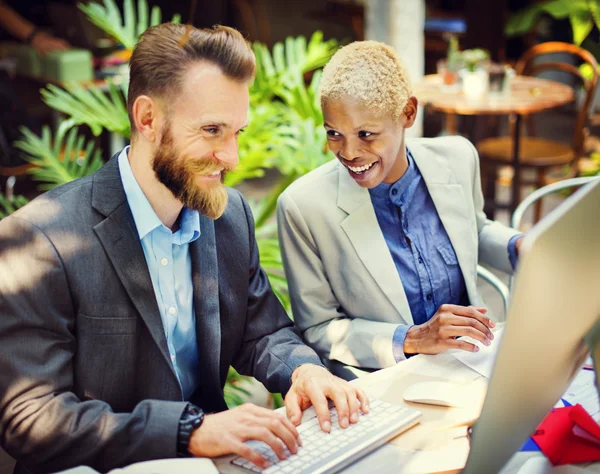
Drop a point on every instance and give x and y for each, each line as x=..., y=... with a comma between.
x=144, y=216
x=394, y=191
x=189, y=227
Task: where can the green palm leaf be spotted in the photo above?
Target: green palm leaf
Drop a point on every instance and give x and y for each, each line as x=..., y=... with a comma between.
x=10, y=205
x=91, y=106
x=61, y=159
x=288, y=61
x=127, y=29
x=260, y=143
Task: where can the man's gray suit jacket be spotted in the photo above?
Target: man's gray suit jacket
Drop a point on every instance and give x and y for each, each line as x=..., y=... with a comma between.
x=85, y=374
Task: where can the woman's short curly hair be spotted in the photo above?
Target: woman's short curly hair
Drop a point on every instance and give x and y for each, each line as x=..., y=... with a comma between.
x=370, y=72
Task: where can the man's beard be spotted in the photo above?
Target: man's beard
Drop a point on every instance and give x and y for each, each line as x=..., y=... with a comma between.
x=178, y=173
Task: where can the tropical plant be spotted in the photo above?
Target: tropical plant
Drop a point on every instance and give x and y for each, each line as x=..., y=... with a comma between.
x=10, y=205
x=90, y=105
x=583, y=15
x=61, y=159
x=285, y=130
x=127, y=29
x=591, y=165
x=288, y=61
x=235, y=391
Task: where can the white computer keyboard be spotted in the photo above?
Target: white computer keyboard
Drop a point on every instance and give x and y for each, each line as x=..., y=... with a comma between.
x=323, y=453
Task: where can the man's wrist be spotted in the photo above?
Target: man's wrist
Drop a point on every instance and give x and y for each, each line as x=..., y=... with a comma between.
x=191, y=419
x=302, y=367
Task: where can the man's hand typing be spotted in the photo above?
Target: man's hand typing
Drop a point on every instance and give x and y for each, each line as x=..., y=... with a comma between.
x=314, y=385
x=226, y=433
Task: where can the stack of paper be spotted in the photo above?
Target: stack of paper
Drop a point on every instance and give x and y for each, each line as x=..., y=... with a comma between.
x=482, y=361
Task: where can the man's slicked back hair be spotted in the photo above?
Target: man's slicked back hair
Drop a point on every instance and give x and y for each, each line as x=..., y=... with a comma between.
x=371, y=73
x=165, y=52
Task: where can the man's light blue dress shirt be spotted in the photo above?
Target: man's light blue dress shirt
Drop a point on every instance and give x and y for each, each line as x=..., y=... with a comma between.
x=168, y=257
x=421, y=249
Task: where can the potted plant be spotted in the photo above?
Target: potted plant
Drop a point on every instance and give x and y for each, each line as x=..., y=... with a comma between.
x=474, y=75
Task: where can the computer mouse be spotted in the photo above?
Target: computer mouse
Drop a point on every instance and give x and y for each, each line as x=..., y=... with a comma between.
x=439, y=393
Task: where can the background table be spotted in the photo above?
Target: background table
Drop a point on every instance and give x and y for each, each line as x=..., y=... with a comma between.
x=527, y=96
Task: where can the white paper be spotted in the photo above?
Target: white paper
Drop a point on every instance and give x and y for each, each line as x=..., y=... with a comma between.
x=482, y=361
x=443, y=366
x=583, y=391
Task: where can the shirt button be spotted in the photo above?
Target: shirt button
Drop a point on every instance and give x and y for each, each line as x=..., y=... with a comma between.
x=394, y=192
x=173, y=357
x=429, y=296
x=164, y=262
x=172, y=310
x=420, y=260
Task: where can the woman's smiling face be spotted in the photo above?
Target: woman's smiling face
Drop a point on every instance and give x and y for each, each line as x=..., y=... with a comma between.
x=370, y=145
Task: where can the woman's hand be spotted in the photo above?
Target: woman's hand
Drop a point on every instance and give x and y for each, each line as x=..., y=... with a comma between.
x=447, y=324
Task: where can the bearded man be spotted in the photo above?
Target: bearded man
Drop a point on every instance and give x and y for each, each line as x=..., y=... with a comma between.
x=126, y=295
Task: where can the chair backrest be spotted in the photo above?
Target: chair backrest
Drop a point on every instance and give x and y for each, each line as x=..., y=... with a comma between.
x=530, y=64
x=517, y=217
x=498, y=285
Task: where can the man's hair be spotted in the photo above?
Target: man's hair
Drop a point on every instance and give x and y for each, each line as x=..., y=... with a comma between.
x=165, y=52
x=371, y=73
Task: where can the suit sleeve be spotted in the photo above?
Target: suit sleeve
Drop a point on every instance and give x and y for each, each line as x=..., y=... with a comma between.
x=493, y=236
x=359, y=342
x=272, y=348
x=43, y=424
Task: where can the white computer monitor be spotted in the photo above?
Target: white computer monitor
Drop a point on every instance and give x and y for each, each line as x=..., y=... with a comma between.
x=555, y=303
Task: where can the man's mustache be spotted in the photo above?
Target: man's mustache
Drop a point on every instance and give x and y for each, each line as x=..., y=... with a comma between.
x=207, y=166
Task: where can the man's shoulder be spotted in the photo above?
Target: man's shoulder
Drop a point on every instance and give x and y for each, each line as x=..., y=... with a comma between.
x=58, y=204
x=236, y=203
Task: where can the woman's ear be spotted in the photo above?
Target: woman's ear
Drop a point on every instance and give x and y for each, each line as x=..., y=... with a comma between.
x=410, y=111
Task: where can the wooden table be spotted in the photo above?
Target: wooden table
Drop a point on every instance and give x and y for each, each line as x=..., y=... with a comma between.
x=528, y=95
x=434, y=442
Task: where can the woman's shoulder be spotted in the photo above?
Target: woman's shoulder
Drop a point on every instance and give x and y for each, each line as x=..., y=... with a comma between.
x=446, y=146
x=315, y=183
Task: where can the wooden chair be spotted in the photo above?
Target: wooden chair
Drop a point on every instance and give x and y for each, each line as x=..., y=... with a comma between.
x=572, y=184
x=538, y=153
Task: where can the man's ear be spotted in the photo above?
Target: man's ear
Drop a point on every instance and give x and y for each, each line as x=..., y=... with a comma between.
x=145, y=117
x=410, y=111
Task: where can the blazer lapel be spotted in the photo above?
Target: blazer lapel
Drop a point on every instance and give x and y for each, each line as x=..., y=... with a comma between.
x=362, y=228
x=449, y=200
x=118, y=236
x=205, y=276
